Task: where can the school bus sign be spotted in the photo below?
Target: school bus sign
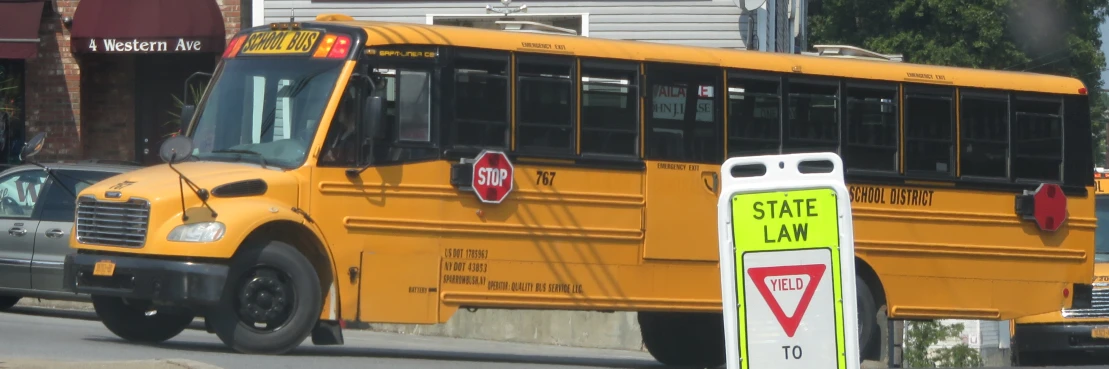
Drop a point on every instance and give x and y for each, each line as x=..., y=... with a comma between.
x=785, y=250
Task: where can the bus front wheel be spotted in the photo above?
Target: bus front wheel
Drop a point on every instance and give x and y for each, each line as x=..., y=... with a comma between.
x=684, y=339
x=271, y=300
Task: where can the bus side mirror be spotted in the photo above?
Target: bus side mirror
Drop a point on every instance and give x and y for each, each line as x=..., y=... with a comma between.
x=374, y=115
x=187, y=112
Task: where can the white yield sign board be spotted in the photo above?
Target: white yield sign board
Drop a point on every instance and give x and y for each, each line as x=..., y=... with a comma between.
x=787, y=263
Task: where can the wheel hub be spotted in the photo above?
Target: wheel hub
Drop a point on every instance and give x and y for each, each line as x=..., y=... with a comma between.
x=265, y=298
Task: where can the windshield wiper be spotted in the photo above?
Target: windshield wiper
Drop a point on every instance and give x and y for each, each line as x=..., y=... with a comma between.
x=239, y=151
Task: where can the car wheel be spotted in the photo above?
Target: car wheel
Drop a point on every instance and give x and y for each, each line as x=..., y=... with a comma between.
x=128, y=319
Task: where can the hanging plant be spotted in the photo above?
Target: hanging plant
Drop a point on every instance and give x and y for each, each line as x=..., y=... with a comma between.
x=175, y=123
x=10, y=93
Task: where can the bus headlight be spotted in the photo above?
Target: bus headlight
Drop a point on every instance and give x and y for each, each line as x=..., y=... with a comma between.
x=197, y=232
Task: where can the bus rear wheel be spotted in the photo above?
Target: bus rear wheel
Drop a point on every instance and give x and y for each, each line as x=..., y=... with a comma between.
x=271, y=300
x=684, y=339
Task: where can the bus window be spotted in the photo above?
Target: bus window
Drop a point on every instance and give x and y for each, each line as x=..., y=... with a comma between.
x=754, y=119
x=413, y=105
x=813, y=118
x=1038, y=139
x=609, y=109
x=684, y=124
x=872, y=128
x=481, y=101
x=340, y=148
x=407, y=126
x=984, y=140
x=544, y=104
x=929, y=135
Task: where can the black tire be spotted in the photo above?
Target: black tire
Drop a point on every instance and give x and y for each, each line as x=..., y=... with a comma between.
x=684, y=339
x=128, y=319
x=269, y=274
x=6, y=302
x=869, y=333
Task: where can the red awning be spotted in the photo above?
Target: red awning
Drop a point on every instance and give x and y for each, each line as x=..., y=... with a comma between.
x=19, y=28
x=147, y=26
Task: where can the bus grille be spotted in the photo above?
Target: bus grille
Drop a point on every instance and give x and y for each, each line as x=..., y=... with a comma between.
x=112, y=223
x=1099, y=308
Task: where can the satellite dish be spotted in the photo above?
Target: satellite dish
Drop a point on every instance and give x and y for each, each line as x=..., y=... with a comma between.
x=749, y=5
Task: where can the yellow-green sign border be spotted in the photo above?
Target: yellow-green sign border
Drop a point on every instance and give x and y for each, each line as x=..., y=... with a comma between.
x=739, y=251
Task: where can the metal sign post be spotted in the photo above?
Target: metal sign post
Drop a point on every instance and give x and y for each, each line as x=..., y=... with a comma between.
x=787, y=263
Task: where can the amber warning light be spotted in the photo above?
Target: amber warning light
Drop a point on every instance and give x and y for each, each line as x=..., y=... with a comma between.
x=1047, y=206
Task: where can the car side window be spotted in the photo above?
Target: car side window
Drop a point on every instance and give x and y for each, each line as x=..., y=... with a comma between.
x=19, y=192
x=58, y=204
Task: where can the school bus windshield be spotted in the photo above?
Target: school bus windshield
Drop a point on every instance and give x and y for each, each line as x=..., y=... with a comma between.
x=264, y=110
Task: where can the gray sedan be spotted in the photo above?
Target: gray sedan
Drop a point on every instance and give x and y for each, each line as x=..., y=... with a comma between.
x=36, y=218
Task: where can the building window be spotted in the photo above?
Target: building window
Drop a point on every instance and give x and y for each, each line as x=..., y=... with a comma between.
x=12, y=116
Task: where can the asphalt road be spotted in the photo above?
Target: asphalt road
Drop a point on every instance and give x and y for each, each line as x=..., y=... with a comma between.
x=41, y=333
x=33, y=334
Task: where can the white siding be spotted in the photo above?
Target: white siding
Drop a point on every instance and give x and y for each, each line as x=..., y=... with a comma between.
x=712, y=23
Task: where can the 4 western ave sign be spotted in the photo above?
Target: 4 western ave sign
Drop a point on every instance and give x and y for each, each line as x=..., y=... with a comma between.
x=145, y=45
x=787, y=263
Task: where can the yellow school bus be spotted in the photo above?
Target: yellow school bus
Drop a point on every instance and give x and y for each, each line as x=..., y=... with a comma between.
x=338, y=170
x=1042, y=339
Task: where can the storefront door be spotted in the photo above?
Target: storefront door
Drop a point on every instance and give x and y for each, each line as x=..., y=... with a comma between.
x=159, y=85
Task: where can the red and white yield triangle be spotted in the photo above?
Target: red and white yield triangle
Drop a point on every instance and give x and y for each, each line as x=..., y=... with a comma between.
x=784, y=282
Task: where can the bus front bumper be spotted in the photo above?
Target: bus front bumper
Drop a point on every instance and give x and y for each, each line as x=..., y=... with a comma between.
x=1060, y=337
x=170, y=281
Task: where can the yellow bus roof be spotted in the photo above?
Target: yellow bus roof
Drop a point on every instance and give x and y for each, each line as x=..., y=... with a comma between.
x=386, y=33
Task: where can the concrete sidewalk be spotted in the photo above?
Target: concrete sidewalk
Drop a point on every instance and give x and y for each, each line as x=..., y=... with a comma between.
x=17, y=363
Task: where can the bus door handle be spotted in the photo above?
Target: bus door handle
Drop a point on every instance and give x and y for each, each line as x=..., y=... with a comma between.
x=711, y=180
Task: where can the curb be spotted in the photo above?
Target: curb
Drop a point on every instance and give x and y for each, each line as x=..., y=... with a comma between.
x=55, y=304
x=27, y=363
x=190, y=364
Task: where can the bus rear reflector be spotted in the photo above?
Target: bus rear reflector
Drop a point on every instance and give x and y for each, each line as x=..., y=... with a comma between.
x=1047, y=206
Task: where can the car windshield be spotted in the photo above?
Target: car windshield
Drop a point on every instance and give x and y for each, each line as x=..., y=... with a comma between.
x=1101, y=236
x=264, y=110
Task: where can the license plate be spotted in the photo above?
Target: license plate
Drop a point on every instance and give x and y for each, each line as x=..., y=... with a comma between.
x=104, y=268
x=1100, y=332
x=280, y=42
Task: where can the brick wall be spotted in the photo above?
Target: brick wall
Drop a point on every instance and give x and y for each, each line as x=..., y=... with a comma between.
x=232, y=16
x=109, y=112
x=53, y=83
x=57, y=90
